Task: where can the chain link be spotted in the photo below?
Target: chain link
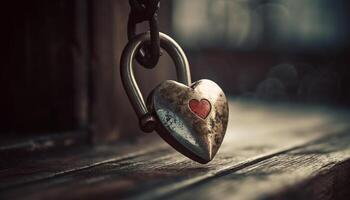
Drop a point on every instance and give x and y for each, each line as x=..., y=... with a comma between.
x=145, y=10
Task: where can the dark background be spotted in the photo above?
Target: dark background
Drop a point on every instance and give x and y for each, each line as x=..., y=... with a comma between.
x=60, y=66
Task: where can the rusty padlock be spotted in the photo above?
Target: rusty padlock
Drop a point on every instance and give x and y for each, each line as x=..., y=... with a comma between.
x=191, y=117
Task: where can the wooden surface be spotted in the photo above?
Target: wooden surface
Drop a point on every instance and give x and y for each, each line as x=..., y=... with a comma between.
x=111, y=116
x=60, y=71
x=270, y=152
x=42, y=77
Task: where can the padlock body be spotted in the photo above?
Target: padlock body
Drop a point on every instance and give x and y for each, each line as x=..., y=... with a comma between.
x=191, y=119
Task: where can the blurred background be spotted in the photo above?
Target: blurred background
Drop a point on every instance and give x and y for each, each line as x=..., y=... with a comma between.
x=276, y=50
x=60, y=74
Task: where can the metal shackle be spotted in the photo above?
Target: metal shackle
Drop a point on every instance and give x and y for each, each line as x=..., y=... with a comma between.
x=126, y=68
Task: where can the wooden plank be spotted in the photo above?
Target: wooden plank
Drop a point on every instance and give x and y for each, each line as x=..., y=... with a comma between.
x=37, y=81
x=320, y=170
x=44, y=165
x=256, y=133
x=25, y=146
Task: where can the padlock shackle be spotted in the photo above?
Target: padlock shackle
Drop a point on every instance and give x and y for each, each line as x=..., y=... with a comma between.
x=126, y=67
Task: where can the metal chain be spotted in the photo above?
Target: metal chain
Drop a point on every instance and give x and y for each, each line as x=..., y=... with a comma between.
x=145, y=10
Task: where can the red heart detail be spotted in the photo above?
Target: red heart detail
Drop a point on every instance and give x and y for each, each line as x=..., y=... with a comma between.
x=201, y=108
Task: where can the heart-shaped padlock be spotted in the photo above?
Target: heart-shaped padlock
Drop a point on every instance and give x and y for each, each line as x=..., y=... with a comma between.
x=191, y=117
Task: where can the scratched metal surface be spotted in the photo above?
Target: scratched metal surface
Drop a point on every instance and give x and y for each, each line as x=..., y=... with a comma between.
x=197, y=137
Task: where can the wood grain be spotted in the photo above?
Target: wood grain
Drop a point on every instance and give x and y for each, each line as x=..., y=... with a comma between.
x=268, y=149
x=42, y=54
x=308, y=172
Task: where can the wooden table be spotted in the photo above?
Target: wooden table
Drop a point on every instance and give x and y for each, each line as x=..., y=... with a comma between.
x=278, y=151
